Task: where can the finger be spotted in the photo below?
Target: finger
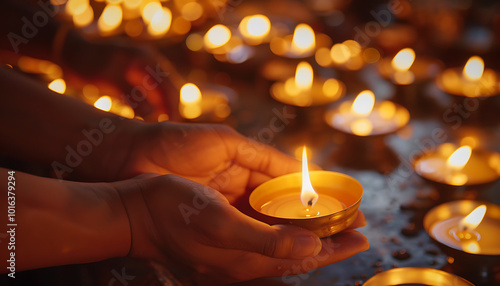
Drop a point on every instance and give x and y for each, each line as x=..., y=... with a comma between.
x=231, y=229
x=146, y=176
x=237, y=265
x=360, y=220
x=262, y=158
x=222, y=225
x=257, y=178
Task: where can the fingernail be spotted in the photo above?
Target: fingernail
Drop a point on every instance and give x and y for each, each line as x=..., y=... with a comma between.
x=305, y=246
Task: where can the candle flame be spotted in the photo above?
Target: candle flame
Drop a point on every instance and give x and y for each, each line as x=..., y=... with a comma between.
x=403, y=59
x=308, y=195
x=190, y=93
x=217, y=36
x=304, y=76
x=190, y=101
x=103, y=103
x=303, y=38
x=364, y=102
x=256, y=26
x=459, y=158
x=472, y=220
x=58, y=85
x=474, y=68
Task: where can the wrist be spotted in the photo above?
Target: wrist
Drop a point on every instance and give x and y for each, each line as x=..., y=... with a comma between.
x=64, y=222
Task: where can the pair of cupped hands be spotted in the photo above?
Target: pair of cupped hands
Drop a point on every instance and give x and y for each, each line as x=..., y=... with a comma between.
x=190, y=214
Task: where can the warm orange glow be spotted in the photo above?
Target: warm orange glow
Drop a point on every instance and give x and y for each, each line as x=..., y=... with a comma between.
x=75, y=7
x=160, y=23
x=364, y=102
x=163, y=117
x=132, y=4
x=194, y=42
x=340, y=53
x=474, y=68
x=308, y=195
x=471, y=246
x=304, y=76
x=217, y=36
x=459, y=158
x=403, y=59
x=103, y=103
x=322, y=57
x=255, y=28
x=149, y=11
x=472, y=220
x=303, y=40
x=332, y=88
x=58, y=85
x=85, y=18
x=110, y=19
x=127, y=112
x=387, y=110
x=192, y=11
x=361, y=127
x=190, y=101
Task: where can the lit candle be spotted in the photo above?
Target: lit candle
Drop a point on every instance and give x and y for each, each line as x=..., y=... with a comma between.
x=363, y=116
x=458, y=166
x=321, y=201
x=304, y=89
x=405, y=68
x=301, y=44
x=255, y=29
x=416, y=276
x=473, y=81
x=456, y=226
x=190, y=101
x=289, y=206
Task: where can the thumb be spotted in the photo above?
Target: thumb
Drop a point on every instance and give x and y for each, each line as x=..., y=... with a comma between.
x=279, y=241
x=292, y=242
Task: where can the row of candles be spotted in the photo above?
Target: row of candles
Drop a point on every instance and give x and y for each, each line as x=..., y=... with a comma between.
x=327, y=203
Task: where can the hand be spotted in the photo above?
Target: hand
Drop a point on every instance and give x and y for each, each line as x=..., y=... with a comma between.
x=136, y=74
x=176, y=220
x=213, y=155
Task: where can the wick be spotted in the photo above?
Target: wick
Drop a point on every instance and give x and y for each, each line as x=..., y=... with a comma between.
x=310, y=203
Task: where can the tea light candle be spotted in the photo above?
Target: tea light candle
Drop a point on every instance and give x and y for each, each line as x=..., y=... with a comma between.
x=458, y=166
x=363, y=116
x=307, y=90
x=472, y=81
x=255, y=29
x=416, y=276
x=301, y=44
x=326, y=203
x=468, y=226
x=405, y=68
